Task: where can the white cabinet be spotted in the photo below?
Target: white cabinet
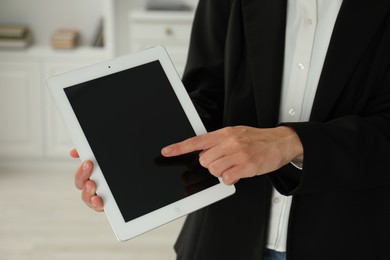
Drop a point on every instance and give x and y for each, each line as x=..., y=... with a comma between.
x=30, y=126
x=20, y=101
x=169, y=29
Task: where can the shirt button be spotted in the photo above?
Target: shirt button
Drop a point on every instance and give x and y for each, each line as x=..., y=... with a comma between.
x=301, y=66
x=308, y=21
x=292, y=112
x=276, y=200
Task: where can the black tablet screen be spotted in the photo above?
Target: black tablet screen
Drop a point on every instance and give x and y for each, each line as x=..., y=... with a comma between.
x=127, y=117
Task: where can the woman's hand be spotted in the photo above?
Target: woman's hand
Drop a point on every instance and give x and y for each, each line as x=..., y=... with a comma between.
x=233, y=153
x=87, y=187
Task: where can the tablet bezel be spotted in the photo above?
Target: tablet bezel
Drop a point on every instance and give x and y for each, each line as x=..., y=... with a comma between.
x=127, y=230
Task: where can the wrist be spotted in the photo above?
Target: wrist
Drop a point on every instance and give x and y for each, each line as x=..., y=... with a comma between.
x=294, y=147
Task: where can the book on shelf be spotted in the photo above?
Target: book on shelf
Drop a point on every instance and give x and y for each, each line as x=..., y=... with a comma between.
x=14, y=36
x=64, y=39
x=167, y=5
x=98, y=36
x=13, y=30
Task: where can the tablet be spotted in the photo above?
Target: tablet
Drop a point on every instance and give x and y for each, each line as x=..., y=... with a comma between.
x=120, y=114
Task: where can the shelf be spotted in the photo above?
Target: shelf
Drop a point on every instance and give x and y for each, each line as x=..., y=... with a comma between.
x=43, y=17
x=156, y=16
x=45, y=51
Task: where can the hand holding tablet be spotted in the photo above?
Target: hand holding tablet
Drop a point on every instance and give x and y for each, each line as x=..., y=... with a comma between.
x=120, y=114
x=88, y=188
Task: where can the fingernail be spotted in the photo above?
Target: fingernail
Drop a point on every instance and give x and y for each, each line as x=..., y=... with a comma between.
x=166, y=150
x=85, y=166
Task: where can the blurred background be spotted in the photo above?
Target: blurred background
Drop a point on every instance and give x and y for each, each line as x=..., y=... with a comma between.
x=41, y=213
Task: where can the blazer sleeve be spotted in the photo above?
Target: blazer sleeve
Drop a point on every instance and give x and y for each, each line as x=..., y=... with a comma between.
x=203, y=76
x=347, y=152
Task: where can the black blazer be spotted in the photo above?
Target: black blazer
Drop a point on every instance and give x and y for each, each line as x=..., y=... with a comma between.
x=341, y=202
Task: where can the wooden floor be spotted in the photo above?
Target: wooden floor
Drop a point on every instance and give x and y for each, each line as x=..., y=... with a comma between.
x=42, y=218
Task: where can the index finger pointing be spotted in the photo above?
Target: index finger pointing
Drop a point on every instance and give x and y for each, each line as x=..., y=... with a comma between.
x=196, y=143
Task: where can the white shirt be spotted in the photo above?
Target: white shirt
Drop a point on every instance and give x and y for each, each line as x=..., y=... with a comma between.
x=309, y=28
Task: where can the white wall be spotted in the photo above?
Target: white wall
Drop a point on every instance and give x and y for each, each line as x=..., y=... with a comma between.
x=39, y=16
x=122, y=9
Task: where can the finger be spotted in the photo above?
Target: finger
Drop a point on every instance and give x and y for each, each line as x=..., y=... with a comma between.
x=83, y=174
x=88, y=191
x=74, y=154
x=220, y=166
x=187, y=146
x=196, y=143
x=238, y=171
x=206, y=157
x=97, y=203
x=229, y=177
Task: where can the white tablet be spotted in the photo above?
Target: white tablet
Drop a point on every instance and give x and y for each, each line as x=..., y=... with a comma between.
x=120, y=114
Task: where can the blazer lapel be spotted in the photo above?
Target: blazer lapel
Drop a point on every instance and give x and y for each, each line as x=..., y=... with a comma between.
x=264, y=29
x=356, y=25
